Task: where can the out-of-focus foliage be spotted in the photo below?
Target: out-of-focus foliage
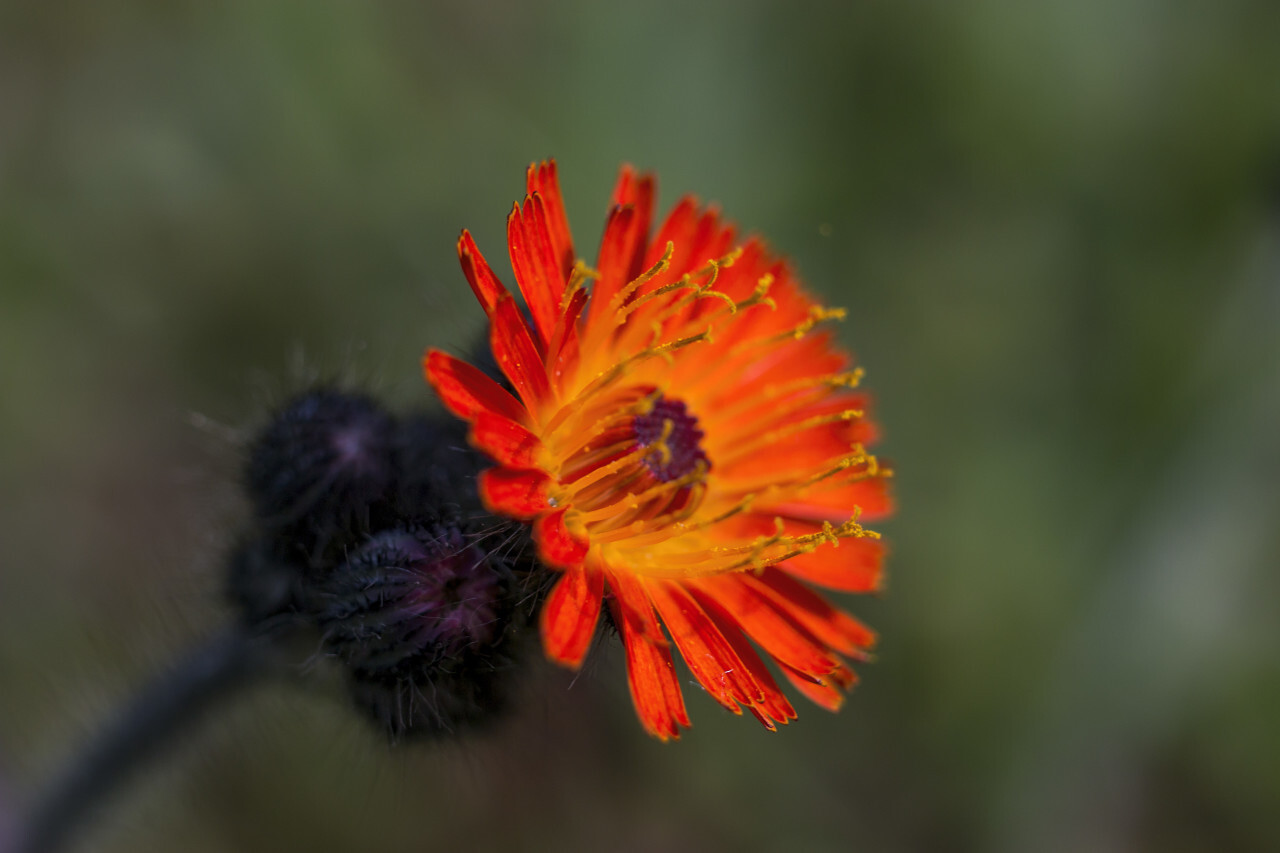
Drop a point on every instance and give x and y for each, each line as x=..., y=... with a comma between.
x=1057, y=229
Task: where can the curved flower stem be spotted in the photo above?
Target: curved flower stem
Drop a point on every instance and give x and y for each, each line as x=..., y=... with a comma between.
x=223, y=665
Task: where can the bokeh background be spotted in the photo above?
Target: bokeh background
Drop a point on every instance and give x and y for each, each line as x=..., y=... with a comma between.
x=1057, y=229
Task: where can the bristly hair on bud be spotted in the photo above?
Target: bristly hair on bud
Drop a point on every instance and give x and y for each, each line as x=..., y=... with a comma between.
x=423, y=619
x=317, y=467
x=369, y=530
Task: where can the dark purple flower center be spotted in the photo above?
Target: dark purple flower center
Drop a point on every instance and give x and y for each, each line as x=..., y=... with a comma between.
x=673, y=437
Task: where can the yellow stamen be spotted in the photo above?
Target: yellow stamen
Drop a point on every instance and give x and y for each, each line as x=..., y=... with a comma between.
x=817, y=314
x=774, y=436
x=634, y=501
x=776, y=390
x=620, y=298
x=607, y=377
x=578, y=276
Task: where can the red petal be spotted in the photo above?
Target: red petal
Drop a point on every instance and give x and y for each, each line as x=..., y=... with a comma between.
x=772, y=703
x=569, y=616
x=466, y=391
x=515, y=492
x=557, y=545
x=486, y=286
x=621, y=237
x=563, y=349
x=635, y=605
x=677, y=229
x=543, y=180
x=835, y=504
x=706, y=652
x=855, y=566
x=834, y=627
x=778, y=634
x=505, y=440
x=517, y=354
x=636, y=192
x=537, y=270
x=826, y=693
x=652, y=677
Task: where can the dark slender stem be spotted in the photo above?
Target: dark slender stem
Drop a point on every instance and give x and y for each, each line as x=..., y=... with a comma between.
x=173, y=701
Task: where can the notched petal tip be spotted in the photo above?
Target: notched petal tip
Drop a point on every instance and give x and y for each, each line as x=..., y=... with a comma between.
x=484, y=283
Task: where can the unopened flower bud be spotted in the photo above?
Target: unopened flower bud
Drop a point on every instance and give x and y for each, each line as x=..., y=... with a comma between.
x=322, y=461
x=422, y=619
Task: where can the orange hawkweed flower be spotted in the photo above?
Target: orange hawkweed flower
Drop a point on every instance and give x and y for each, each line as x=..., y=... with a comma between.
x=688, y=444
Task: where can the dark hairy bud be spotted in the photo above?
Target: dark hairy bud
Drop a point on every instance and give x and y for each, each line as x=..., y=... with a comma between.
x=319, y=465
x=368, y=530
x=424, y=620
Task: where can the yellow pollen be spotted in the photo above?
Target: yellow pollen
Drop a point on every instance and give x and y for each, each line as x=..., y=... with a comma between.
x=777, y=390
x=774, y=436
x=817, y=314
x=621, y=297
x=858, y=457
x=762, y=550
x=639, y=499
x=578, y=276
x=758, y=296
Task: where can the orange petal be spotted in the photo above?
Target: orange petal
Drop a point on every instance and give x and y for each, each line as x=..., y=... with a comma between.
x=633, y=599
x=517, y=354
x=486, y=286
x=677, y=228
x=558, y=547
x=537, y=270
x=856, y=566
x=466, y=391
x=834, y=627
x=515, y=492
x=542, y=179
x=562, y=352
x=826, y=693
x=505, y=440
x=652, y=677
x=569, y=616
x=617, y=246
x=636, y=192
x=706, y=652
x=777, y=633
x=771, y=703
x=836, y=503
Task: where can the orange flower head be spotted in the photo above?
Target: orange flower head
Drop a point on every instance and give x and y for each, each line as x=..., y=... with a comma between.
x=689, y=445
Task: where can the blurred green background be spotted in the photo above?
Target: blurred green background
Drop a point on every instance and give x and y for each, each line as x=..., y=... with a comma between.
x=1057, y=229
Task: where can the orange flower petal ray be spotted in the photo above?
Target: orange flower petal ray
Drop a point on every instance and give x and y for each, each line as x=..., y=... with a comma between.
x=837, y=629
x=558, y=546
x=518, y=492
x=569, y=616
x=484, y=283
x=652, y=678
x=825, y=693
x=517, y=353
x=770, y=626
x=542, y=179
x=466, y=391
x=505, y=440
x=857, y=566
